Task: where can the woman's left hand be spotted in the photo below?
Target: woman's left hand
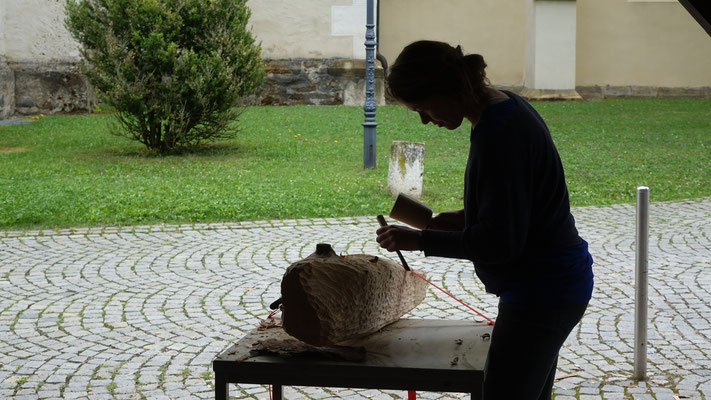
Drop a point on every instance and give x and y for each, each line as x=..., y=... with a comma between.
x=396, y=237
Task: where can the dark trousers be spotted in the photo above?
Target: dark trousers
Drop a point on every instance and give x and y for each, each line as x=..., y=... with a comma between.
x=523, y=356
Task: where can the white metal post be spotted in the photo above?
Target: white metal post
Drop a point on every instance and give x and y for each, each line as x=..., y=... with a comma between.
x=641, y=273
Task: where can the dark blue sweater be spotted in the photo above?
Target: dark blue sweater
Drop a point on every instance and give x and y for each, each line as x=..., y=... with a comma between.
x=519, y=231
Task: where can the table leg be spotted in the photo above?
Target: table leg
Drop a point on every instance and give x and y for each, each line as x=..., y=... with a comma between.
x=222, y=388
x=277, y=392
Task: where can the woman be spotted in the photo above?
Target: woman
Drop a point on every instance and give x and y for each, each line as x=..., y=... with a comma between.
x=516, y=224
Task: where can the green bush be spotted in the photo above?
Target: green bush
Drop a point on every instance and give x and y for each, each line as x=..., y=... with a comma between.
x=175, y=70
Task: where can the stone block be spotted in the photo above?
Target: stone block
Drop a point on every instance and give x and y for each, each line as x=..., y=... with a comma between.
x=407, y=166
x=590, y=92
x=351, y=68
x=354, y=92
x=549, y=94
x=643, y=91
x=328, y=299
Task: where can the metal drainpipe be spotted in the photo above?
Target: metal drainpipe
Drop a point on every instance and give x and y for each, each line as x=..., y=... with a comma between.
x=369, y=107
x=378, y=55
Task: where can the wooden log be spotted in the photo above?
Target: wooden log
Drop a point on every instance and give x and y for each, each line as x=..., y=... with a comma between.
x=329, y=299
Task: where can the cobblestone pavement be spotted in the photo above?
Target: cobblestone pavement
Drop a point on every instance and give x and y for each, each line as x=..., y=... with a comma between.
x=140, y=312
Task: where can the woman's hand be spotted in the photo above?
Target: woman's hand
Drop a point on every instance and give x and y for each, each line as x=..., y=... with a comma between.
x=396, y=237
x=448, y=221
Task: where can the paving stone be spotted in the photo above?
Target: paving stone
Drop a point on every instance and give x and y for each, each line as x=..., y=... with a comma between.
x=127, y=307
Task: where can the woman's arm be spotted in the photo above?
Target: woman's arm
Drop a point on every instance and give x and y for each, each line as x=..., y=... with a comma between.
x=448, y=221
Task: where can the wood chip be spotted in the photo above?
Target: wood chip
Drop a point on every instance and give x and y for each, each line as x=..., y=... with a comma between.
x=297, y=348
x=269, y=324
x=566, y=376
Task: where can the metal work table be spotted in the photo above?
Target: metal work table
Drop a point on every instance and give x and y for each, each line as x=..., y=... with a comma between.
x=410, y=354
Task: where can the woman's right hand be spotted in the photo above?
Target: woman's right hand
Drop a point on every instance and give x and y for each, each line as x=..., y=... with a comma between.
x=448, y=221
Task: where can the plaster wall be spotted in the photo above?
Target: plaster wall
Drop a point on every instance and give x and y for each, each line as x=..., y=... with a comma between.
x=495, y=29
x=3, y=24
x=34, y=29
x=41, y=60
x=7, y=75
x=34, y=32
x=640, y=43
x=529, y=72
x=309, y=28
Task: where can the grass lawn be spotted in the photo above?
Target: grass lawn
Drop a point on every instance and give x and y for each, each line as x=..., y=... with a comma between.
x=301, y=161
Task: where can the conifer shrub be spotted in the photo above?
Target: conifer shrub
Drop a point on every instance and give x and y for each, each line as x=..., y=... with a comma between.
x=174, y=70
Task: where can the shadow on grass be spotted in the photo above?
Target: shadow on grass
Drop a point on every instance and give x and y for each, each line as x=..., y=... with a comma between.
x=207, y=150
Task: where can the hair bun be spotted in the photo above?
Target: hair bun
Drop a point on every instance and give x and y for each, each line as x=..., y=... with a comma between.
x=476, y=63
x=475, y=60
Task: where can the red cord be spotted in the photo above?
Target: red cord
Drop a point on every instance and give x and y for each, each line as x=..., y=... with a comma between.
x=491, y=322
x=411, y=395
x=272, y=313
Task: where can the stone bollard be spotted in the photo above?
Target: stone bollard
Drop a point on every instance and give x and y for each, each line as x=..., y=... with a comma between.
x=406, y=168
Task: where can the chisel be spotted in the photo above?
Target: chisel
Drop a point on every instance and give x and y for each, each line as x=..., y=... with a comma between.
x=382, y=222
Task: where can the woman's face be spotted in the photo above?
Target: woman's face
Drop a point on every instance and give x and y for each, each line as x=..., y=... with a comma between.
x=441, y=111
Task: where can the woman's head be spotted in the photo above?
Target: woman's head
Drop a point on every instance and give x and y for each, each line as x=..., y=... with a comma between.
x=428, y=69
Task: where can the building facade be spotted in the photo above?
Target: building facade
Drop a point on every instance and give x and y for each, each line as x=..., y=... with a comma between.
x=565, y=48
x=314, y=51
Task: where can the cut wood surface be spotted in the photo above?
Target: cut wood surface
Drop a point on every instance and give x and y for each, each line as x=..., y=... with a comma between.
x=328, y=299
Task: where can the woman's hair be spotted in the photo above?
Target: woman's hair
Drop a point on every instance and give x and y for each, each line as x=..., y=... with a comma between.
x=428, y=68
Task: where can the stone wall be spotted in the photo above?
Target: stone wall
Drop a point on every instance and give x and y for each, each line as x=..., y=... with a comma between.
x=316, y=82
x=7, y=90
x=50, y=87
x=607, y=92
x=28, y=88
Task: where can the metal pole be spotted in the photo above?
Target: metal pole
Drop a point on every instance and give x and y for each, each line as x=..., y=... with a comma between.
x=641, y=299
x=369, y=107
